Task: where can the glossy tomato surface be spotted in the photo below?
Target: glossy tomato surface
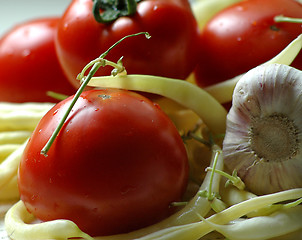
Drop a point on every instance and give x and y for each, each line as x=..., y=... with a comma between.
x=170, y=52
x=28, y=63
x=245, y=35
x=116, y=165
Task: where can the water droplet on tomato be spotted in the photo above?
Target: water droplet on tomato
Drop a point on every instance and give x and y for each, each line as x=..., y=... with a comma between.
x=97, y=109
x=26, y=52
x=65, y=26
x=240, y=8
x=156, y=105
x=104, y=96
x=55, y=112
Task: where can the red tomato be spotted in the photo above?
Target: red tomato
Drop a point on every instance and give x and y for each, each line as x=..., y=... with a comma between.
x=170, y=52
x=28, y=63
x=116, y=165
x=244, y=36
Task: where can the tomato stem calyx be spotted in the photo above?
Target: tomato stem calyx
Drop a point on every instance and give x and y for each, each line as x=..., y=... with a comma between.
x=113, y=9
x=96, y=64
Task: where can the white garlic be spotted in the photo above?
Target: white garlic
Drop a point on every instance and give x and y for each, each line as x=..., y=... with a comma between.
x=263, y=139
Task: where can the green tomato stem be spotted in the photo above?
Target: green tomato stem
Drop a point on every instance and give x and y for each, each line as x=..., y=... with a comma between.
x=233, y=179
x=222, y=173
x=192, y=135
x=46, y=148
x=113, y=10
x=281, y=18
x=84, y=81
x=57, y=96
x=103, y=62
x=131, y=6
x=210, y=194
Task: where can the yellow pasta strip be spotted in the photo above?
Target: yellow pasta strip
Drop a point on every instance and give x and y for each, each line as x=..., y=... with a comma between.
x=195, y=231
x=6, y=150
x=182, y=92
x=19, y=227
x=10, y=190
x=14, y=137
x=9, y=167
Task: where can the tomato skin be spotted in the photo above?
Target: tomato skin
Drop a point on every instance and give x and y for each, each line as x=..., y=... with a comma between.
x=243, y=36
x=170, y=52
x=116, y=165
x=28, y=63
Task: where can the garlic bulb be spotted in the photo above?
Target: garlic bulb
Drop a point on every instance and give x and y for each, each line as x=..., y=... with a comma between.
x=263, y=139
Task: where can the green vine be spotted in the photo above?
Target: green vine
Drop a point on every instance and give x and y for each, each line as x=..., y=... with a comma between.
x=96, y=64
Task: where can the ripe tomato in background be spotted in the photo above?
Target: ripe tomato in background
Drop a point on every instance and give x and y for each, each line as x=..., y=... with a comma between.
x=116, y=165
x=243, y=36
x=28, y=63
x=170, y=52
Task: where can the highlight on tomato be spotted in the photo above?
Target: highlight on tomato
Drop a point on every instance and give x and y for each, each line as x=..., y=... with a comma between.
x=116, y=165
x=87, y=29
x=244, y=36
x=29, y=67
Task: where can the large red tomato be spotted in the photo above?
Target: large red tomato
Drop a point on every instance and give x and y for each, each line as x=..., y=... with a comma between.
x=116, y=165
x=245, y=35
x=170, y=52
x=28, y=63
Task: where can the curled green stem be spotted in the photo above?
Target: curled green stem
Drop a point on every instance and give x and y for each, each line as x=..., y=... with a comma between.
x=196, y=137
x=232, y=179
x=84, y=82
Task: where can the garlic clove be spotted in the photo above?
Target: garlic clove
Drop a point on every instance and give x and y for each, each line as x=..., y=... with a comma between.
x=263, y=140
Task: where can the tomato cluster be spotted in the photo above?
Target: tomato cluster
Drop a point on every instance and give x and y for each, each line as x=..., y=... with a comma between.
x=47, y=55
x=118, y=162
x=170, y=52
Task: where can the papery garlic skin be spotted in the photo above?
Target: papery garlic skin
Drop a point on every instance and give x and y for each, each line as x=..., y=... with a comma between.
x=263, y=140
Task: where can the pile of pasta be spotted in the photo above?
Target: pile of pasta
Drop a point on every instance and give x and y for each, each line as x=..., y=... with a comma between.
x=17, y=121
